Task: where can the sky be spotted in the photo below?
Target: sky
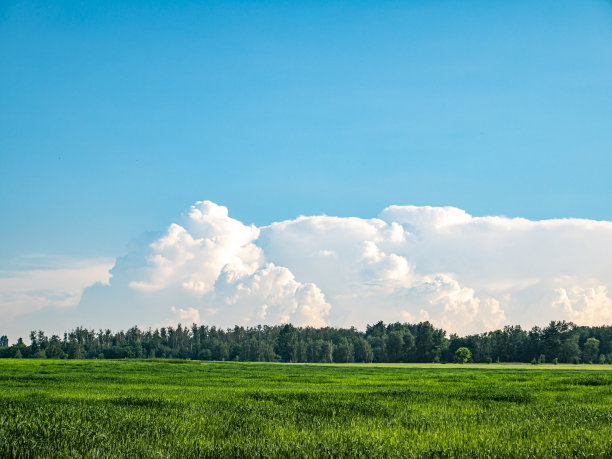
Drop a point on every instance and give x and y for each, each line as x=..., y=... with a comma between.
x=117, y=120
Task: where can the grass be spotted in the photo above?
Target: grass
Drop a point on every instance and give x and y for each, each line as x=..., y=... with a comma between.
x=194, y=409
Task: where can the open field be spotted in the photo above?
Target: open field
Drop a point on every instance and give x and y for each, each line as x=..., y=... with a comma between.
x=59, y=408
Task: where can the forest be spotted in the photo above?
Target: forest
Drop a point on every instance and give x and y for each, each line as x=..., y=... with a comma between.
x=559, y=342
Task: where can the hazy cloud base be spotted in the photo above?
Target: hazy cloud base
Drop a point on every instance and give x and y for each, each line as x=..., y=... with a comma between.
x=466, y=274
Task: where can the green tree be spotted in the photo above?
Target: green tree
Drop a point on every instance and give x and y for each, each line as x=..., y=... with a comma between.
x=463, y=355
x=327, y=349
x=408, y=347
x=75, y=351
x=363, y=351
x=570, y=350
x=590, y=350
x=378, y=348
x=204, y=354
x=343, y=352
x=287, y=344
x=424, y=342
x=54, y=351
x=395, y=345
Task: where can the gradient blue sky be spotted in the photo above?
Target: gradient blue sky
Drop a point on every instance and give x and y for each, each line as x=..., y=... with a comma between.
x=114, y=118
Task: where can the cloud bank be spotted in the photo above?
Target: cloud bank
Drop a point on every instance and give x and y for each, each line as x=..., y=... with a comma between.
x=49, y=287
x=466, y=274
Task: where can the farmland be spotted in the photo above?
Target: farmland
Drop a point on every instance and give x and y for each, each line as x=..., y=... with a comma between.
x=155, y=408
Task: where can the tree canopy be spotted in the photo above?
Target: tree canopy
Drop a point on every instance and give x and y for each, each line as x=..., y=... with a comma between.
x=396, y=342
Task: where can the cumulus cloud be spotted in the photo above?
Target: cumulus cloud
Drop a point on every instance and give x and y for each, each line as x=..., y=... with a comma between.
x=466, y=274
x=194, y=255
x=589, y=306
x=451, y=306
x=271, y=295
x=210, y=265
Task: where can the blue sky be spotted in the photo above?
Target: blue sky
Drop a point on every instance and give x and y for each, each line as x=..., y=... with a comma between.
x=116, y=117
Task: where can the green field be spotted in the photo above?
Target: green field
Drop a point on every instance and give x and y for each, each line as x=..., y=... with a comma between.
x=132, y=408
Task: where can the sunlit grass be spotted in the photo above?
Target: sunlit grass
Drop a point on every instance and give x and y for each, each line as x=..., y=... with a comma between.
x=188, y=409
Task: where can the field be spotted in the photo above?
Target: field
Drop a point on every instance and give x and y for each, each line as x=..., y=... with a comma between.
x=192, y=409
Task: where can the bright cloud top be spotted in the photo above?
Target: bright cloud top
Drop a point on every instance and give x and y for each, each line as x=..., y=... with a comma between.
x=213, y=258
x=465, y=274
x=194, y=256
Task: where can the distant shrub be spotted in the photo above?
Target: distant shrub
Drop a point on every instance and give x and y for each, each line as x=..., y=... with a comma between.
x=590, y=350
x=555, y=361
x=463, y=355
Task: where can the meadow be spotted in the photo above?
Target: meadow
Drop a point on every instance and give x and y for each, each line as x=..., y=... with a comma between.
x=156, y=408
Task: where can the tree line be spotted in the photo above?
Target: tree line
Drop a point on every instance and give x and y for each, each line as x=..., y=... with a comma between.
x=559, y=342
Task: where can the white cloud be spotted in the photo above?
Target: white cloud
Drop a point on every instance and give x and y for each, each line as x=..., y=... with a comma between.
x=272, y=295
x=56, y=286
x=194, y=255
x=61, y=286
x=466, y=274
x=186, y=316
x=210, y=264
x=586, y=306
x=421, y=219
x=456, y=308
